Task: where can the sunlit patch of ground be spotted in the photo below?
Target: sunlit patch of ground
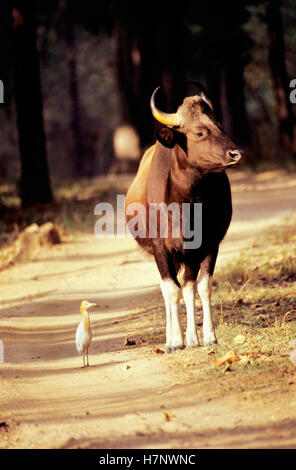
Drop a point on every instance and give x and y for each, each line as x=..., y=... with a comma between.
x=239, y=393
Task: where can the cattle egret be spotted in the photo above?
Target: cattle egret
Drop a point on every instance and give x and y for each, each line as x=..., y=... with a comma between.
x=83, y=332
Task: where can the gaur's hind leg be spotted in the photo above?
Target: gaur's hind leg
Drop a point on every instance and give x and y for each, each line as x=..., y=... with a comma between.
x=204, y=287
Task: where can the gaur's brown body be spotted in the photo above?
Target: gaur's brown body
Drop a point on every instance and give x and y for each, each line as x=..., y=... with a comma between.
x=186, y=165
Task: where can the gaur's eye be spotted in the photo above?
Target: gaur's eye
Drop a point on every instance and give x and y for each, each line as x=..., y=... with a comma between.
x=200, y=134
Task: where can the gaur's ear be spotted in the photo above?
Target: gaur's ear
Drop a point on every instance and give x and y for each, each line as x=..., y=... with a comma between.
x=166, y=137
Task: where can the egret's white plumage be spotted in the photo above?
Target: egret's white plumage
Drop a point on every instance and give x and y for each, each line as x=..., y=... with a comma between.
x=83, y=332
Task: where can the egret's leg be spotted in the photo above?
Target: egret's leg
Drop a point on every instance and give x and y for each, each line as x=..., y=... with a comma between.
x=87, y=363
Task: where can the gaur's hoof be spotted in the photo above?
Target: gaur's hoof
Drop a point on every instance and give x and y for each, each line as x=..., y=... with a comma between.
x=208, y=344
x=191, y=346
x=177, y=348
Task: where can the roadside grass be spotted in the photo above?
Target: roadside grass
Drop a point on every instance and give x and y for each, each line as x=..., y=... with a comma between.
x=254, y=307
x=77, y=201
x=73, y=208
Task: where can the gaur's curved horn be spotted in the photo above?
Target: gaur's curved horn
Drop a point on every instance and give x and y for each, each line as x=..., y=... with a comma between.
x=165, y=118
x=207, y=100
x=200, y=91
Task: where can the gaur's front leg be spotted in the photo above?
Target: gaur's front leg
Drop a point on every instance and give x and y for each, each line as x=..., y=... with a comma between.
x=170, y=288
x=189, y=293
x=205, y=292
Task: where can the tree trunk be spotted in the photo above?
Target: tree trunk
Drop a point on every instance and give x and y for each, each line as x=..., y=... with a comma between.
x=35, y=184
x=235, y=85
x=285, y=116
x=127, y=62
x=77, y=148
x=214, y=86
x=150, y=52
x=65, y=20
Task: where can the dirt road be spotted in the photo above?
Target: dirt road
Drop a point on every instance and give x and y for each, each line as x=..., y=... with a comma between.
x=130, y=396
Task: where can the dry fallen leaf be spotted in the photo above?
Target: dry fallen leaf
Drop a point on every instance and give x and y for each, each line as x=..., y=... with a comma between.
x=167, y=416
x=227, y=368
x=211, y=352
x=245, y=359
x=4, y=425
x=129, y=342
x=239, y=339
x=230, y=356
x=159, y=351
x=293, y=356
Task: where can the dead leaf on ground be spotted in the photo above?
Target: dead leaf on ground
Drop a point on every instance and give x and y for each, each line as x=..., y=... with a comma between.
x=129, y=342
x=211, y=352
x=4, y=426
x=293, y=356
x=227, y=368
x=159, y=351
x=245, y=359
x=168, y=416
x=239, y=339
x=230, y=357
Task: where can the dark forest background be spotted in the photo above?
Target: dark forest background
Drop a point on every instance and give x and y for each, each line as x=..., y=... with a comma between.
x=78, y=77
